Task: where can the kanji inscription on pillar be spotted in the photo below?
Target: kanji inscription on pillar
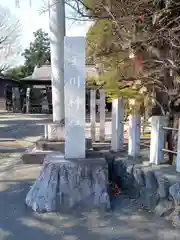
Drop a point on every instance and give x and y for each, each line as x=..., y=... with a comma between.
x=74, y=91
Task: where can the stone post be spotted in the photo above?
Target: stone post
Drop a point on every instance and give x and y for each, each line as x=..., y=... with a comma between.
x=93, y=114
x=46, y=131
x=134, y=135
x=28, y=93
x=74, y=75
x=16, y=99
x=178, y=150
x=102, y=115
x=117, y=124
x=157, y=142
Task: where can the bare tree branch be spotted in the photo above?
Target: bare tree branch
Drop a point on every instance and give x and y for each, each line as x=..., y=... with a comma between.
x=10, y=30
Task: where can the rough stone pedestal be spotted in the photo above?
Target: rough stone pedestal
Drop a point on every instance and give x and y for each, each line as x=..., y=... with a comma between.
x=68, y=184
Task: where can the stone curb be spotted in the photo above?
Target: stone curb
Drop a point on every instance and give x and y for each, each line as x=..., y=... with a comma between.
x=154, y=186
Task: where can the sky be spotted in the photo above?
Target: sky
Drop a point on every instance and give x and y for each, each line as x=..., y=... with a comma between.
x=31, y=20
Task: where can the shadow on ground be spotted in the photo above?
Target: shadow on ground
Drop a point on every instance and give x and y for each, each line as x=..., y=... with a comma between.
x=19, y=132
x=12, y=150
x=21, y=128
x=17, y=222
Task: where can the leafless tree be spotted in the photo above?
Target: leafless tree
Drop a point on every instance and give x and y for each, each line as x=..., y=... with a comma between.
x=10, y=32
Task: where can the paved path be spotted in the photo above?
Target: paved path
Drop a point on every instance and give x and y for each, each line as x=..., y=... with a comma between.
x=17, y=133
x=17, y=222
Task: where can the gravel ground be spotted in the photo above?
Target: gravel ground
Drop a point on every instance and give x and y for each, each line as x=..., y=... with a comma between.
x=17, y=222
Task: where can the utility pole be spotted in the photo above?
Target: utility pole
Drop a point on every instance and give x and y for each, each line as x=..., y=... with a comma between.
x=57, y=33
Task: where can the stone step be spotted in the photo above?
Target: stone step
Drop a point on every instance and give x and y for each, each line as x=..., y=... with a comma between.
x=34, y=157
x=37, y=156
x=44, y=144
x=44, y=147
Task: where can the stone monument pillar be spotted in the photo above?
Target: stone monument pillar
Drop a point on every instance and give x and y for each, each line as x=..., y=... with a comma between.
x=74, y=73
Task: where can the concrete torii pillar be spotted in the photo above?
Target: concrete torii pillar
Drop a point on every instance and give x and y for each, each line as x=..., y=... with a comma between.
x=57, y=33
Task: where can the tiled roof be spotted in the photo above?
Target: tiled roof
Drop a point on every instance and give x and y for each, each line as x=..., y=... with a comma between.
x=44, y=73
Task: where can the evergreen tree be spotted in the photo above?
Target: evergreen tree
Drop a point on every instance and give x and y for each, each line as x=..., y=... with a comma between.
x=38, y=52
